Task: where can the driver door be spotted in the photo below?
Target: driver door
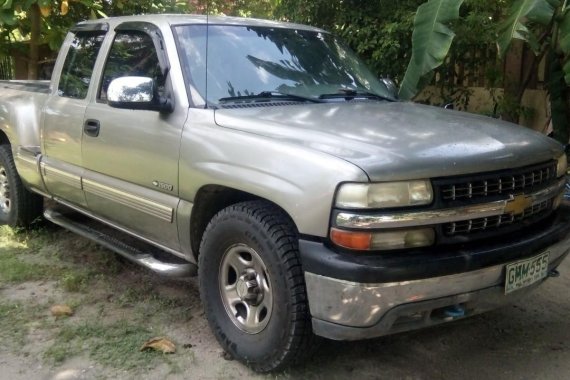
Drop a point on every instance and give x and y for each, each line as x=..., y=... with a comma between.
x=131, y=156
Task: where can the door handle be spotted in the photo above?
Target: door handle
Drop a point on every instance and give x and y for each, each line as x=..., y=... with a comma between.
x=91, y=127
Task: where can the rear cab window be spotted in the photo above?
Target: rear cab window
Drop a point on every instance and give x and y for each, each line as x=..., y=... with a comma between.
x=79, y=63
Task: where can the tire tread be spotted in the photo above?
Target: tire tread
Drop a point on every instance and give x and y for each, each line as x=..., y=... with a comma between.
x=300, y=339
x=27, y=205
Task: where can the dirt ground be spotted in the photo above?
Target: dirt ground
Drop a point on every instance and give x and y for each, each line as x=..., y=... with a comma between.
x=118, y=306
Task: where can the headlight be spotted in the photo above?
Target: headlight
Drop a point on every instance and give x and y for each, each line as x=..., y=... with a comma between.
x=561, y=166
x=384, y=195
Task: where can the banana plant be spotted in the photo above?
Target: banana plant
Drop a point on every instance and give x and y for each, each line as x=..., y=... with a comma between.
x=432, y=37
x=545, y=26
x=521, y=14
x=431, y=41
x=554, y=34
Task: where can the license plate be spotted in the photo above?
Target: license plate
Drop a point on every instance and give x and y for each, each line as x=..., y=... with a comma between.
x=526, y=272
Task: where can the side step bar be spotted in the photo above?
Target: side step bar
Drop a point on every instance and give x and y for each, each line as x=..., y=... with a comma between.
x=131, y=248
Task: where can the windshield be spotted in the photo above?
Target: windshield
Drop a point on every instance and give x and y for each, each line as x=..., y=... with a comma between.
x=244, y=61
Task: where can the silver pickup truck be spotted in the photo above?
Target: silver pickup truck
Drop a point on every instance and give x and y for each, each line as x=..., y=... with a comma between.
x=268, y=160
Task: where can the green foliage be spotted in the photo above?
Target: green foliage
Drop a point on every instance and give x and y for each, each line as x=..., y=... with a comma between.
x=545, y=26
x=241, y=8
x=431, y=41
x=564, y=42
x=56, y=18
x=379, y=31
x=59, y=15
x=521, y=16
x=472, y=58
x=125, y=7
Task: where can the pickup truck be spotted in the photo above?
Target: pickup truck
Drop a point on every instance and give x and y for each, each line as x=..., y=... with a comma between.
x=266, y=158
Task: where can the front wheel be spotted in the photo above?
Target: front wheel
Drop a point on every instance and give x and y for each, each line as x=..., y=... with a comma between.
x=252, y=286
x=18, y=206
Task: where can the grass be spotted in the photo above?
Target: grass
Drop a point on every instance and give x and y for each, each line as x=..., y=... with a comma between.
x=12, y=323
x=15, y=270
x=46, y=253
x=18, y=259
x=31, y=240
x=75, y=282
x=120, y=306
x=115, y=345
x=15, y=319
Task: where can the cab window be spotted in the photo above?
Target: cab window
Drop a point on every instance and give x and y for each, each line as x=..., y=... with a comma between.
x=78, y=65
x=132, y=54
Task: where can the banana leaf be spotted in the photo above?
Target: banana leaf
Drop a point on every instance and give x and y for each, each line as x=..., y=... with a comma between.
x=8, y=18
x=521, y=13
x=431, y=40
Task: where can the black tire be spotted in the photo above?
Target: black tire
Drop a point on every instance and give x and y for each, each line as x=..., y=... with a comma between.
x=18, y=206
x=287, y=335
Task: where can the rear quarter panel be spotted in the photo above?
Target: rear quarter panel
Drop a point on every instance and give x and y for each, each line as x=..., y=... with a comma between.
x=21, y=105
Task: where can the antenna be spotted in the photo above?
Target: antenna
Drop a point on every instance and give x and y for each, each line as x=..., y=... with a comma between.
x=207, y=44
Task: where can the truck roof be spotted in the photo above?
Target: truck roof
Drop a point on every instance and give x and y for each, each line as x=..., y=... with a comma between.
x=181, y=19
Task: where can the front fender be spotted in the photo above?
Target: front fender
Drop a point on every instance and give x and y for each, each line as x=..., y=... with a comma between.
x=299, y=180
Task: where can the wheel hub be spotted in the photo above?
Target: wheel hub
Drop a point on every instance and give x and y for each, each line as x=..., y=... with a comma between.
x=245, y=288
x=248, y=288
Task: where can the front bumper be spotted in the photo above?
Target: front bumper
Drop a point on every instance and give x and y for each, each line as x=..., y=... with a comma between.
x=416, y=294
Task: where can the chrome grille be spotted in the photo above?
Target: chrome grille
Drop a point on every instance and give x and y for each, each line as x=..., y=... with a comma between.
x=484, y=224
x=485, y=186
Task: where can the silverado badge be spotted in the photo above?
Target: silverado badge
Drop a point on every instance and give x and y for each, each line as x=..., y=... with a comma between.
x=517, y=204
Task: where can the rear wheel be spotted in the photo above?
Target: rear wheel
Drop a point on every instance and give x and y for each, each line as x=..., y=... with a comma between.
x=253, y=288
x=18, y=206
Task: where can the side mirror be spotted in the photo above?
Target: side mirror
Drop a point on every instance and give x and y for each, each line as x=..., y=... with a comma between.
x=390, y=86
x=136, y=93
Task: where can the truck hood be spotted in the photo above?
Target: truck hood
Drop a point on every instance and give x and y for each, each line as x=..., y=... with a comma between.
x=398, y=140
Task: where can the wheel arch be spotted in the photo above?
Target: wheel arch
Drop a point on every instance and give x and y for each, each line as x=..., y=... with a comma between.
x=211, y=199
x=4, y=140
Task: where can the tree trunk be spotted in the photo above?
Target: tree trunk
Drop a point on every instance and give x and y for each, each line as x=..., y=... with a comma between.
x=35, y=19
x=559, y=99
x=512, y=81
x=520, y=73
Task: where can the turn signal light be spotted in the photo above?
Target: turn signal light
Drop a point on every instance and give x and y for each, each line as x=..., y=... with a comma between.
x=383, y=240
x=351, y=239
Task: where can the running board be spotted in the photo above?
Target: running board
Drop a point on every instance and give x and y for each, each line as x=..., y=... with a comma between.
x=125, y=245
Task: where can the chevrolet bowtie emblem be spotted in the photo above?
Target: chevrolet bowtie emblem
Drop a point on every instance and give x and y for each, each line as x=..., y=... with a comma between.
x=517, y=204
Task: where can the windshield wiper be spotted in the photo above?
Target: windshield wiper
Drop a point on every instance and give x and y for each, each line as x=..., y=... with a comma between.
x=268, y=95
x=349, y=94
